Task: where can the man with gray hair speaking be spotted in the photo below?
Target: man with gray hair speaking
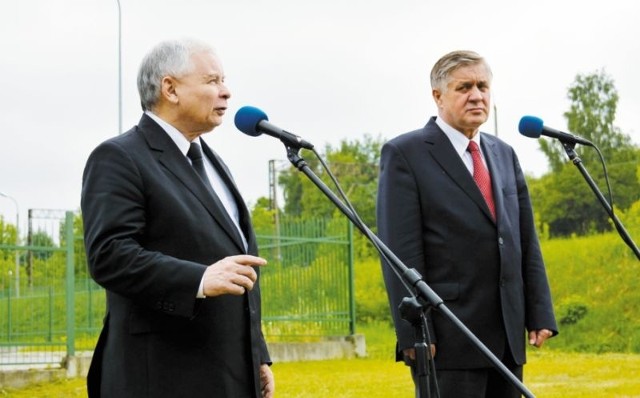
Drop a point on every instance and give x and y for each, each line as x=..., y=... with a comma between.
x=168, y=236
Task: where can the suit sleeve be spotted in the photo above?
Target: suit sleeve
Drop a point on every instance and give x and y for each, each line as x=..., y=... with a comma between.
x=400, y=228
x=539, y=307
x=113, y=210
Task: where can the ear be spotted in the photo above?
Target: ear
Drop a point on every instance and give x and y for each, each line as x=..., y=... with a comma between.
x=437, y=96
x=168, y=89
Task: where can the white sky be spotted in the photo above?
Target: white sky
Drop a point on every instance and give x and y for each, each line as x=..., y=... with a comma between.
x=325, y=70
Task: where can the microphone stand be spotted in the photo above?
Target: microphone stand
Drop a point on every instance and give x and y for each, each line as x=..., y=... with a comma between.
x=426, y=297
x=414, y=311
x=569, y=148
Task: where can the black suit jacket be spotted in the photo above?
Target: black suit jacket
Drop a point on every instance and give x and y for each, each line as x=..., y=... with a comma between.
x=490, y=274
x=151, y=228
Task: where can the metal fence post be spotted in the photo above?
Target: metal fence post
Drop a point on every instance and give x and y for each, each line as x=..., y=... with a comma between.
x=352, y=287
x=70, y=285
x=51, y=315
x=9, y=313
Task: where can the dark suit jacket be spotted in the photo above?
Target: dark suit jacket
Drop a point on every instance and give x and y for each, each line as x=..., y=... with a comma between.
x=151, y=228
x=490, y=274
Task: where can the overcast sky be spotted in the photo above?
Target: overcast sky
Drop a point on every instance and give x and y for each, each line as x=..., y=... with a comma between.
x=325, y=70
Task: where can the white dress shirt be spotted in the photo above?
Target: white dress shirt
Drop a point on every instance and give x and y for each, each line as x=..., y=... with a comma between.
x=217, y=183
x=460, y=143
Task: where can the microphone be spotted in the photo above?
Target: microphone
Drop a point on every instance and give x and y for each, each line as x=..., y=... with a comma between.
x=253, y=121
x=533, y=127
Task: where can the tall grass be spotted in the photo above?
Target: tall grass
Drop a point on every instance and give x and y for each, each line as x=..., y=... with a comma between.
x=594, y=281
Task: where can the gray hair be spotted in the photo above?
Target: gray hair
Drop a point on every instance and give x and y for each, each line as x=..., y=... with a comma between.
x=450, y=62
x=168, y=58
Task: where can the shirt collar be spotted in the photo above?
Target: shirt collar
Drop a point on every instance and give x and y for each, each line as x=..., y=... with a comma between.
x=176, y=136
x=460, y=141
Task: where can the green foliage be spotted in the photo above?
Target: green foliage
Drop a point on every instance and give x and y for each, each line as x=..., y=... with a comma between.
x=566, y=203
x=632, y=218
x=263, y=217
x=7, y=238
x=7, y=233
x=41, y=239
x=594, y=100
x=305, y=287
x=355, y=166
x=303, y=302
x=372, y=305
x=594, y=282
x=571, y=310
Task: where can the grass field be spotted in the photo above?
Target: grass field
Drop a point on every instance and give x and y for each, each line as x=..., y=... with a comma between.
x=549, y=374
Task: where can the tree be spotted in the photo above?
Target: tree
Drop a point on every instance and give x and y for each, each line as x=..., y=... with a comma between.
x=80, y=257
x=262, y=216
x=7, y=237
x=594, y=100
x=42, y=240
x=355, y=166
x=7, y=256
x=568, y=205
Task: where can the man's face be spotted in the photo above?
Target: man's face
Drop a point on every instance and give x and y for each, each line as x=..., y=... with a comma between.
x=202, y=95
x=465, y=102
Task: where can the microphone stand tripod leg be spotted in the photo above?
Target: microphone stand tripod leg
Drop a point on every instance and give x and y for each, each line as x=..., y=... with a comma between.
x=413, y=312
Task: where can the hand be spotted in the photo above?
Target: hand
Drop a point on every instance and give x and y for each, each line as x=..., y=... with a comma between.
x=231, y=275
x=538, y=337
x=410, y=354
x=267, y=382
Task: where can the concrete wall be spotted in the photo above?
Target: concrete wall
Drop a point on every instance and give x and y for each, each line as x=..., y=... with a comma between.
x=331, y=348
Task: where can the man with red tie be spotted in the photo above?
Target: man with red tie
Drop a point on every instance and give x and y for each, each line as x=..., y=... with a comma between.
x=454, y=205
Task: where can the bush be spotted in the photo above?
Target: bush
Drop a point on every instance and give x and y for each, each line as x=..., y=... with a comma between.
x=571, y=311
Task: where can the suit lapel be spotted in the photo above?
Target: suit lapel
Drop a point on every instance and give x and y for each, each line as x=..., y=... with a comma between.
x=446, y=156
x=243, y=212
x=168, y=154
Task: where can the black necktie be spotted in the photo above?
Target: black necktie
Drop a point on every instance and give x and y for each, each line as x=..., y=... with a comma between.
x=195, y=154
x=197, y=160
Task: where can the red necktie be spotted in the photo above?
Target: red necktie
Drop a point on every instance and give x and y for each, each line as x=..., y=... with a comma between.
x=481, y=176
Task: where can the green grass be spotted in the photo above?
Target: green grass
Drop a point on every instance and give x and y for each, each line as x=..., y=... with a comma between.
x=594, y=283
x=549, y=374
x=552, y=374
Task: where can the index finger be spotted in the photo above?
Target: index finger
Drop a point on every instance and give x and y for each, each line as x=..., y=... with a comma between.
x=248, y=259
